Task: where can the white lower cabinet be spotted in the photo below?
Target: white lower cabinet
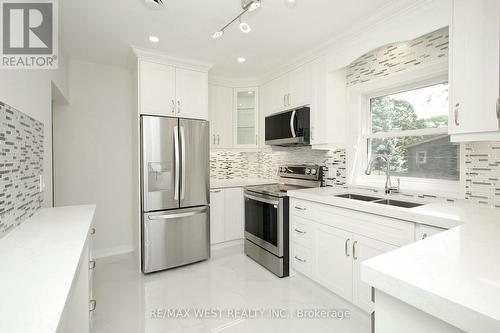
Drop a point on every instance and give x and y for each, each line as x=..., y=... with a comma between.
x=365, y=248
x=226, y=215
x=333, y=262
x=77, y=314
x=328, y=245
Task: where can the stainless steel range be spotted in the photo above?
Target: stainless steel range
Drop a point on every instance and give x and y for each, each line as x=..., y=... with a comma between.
x=266, y=216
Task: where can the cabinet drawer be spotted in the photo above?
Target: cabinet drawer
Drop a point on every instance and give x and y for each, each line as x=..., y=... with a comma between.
x=301, y=231
x=301, y=259
x=301, y=208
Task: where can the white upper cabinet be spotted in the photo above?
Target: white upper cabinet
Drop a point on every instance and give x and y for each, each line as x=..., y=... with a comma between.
x=474, y=70
x=192, y=94
x=300, y=86
x=246, y=117
x=157, y=88
x=279, y=94
x=221, y=116
x=171, y=87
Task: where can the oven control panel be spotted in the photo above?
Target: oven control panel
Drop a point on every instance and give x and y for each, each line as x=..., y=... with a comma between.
x=310, y=172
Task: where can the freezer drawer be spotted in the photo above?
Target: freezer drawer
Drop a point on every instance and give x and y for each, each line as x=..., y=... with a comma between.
x=174, y=238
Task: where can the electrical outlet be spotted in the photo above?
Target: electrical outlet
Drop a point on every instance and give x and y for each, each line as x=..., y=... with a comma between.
x=41, y=184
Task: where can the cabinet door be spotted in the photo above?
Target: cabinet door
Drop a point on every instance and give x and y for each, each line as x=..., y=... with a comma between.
x=265, y=109
x=221, y=116
x=233, y=213
x=474, y=66
x=212, y=114
x=364, y=248
x=156, y=89
x=423, y=231
x=318, y=112
x=217, y=208
x=333, y=259
x=300, y=87
x=191, y=93
x=246, y=117
x=280, y=90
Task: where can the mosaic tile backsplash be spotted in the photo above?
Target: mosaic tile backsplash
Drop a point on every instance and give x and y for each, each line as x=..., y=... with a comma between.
x=482, y=173
x=398, y=57
x=265, y=163
x=21, y=164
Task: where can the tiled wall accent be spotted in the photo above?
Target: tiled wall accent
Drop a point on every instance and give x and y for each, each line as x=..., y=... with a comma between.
x=265, y=163
x=482, y=173
x=21, y=163
x=398, y=57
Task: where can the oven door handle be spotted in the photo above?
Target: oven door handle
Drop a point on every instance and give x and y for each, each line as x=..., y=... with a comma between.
x=268, y=201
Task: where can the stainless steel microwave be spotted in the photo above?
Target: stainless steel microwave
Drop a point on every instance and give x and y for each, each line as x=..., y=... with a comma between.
x=288, y=128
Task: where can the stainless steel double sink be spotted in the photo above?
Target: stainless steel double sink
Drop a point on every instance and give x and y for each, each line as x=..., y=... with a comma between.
x=378, y=200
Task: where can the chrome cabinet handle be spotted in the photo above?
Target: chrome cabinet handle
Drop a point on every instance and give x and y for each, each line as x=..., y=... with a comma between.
x=457, y=123
x=300, y=231
x=173, y=106
x=213, y=135
x=300, y=259
x=91, y=264
x=354, y=250
x=215, y=191
x=300, y=208
x=92, y=231
x=346, y=245
x=178, y=106
x=92, y=305
x=218, y=139
x=289, y=98
x=424, y=236
x=284, y=100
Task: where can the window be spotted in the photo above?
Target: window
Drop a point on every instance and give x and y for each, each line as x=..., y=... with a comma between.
x=411, y=127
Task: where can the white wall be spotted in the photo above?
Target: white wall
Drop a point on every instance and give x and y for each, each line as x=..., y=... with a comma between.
x=31, y=91
x=93, y=151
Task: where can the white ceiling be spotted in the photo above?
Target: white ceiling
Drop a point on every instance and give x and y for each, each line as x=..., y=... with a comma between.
x=103, y=30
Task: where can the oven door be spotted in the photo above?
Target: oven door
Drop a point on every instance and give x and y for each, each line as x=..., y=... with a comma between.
x=264, y=221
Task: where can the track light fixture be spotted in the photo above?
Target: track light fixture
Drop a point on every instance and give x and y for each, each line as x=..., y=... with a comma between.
x=247, y=6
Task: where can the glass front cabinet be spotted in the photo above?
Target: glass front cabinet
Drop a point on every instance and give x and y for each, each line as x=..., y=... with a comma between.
x=245, y=119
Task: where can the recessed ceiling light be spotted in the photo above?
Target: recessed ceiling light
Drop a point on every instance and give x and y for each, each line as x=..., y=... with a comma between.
x=245, y=27
x=250, y=92
x=218, y=34
x=154, y=39
x=241, y=59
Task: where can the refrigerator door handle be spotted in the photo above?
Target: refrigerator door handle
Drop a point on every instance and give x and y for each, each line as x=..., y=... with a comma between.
x=147, y=244
x=177, y=162
x=183, y=163
x=176, y=216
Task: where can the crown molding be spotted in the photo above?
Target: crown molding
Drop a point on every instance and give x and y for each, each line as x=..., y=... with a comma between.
x=231, y=82
x=164, y=58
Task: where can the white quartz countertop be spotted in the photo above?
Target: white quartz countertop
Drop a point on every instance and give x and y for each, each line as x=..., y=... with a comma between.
x=441, y=213
x=39, y=260
x=454, y=275
x=226, y=183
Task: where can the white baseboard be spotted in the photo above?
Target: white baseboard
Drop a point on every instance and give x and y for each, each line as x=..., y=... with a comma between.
x=109, y=252
x=227, y=244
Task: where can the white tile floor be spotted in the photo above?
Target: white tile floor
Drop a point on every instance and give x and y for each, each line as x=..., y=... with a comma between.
x=126, y=299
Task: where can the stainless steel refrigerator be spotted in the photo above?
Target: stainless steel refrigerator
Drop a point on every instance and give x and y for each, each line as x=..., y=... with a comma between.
x=175, y=192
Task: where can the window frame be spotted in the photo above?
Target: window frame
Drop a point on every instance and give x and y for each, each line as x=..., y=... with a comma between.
x=434, y=185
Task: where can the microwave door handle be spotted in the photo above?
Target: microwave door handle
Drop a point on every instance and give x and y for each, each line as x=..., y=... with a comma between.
x=292, y=124
x=177, y=163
